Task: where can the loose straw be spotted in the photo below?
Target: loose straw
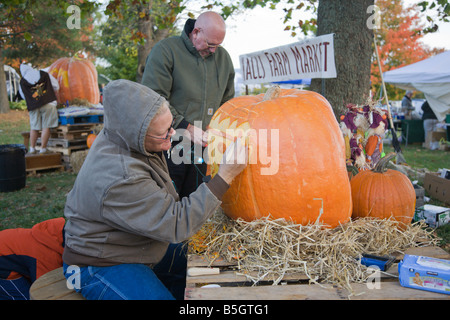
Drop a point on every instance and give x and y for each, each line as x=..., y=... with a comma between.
x=267, y=249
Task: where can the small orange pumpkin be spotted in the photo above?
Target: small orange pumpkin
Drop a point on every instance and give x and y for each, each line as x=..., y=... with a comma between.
x=90, y=139
x=297, y=131
x=77, y=78
x=383, y=193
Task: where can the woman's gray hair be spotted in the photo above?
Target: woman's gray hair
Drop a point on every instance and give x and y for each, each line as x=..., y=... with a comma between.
x=162, y=108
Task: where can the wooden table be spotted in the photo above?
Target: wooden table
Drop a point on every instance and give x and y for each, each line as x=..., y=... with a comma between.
x=52, y=286
x=235, y=287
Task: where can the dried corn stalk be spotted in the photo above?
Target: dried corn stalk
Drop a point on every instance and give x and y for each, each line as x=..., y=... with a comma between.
x=272, y=248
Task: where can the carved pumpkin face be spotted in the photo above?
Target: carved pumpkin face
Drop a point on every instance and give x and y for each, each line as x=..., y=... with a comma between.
x=296, y=158
x=77, y=78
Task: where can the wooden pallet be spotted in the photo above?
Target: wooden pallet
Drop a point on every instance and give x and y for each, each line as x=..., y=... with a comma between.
x=63, y=143
x=65, y=140
x=67, y=120
x=63, y=146
x=65, y=151
x=70, y=128
x=234, y=286
x=69, y=135
x=40, y=162
x=64, y=135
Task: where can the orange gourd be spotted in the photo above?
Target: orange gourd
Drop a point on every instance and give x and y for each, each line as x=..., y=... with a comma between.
x=77, y=79
x=383, y=193
x=90, y=139
x=296, y=165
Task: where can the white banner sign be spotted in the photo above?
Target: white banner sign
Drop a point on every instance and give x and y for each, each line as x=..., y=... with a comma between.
x=312, y=58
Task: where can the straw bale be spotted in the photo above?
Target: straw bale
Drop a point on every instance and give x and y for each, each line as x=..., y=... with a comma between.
x=77, y=159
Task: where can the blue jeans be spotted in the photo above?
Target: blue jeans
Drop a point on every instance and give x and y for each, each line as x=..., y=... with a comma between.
x=166, y=281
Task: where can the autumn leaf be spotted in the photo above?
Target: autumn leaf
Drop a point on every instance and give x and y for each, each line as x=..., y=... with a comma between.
x=399, y=43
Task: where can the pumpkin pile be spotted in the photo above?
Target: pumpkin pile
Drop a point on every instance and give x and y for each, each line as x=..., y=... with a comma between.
x=77, y=79
x=299, y=218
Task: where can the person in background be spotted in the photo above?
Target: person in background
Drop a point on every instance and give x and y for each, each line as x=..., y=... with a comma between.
x=407, y=106
x=101, y=87
x=196, y=75
x=126, y=223
x=429, y=119
x=37, y=88
x=27, y=254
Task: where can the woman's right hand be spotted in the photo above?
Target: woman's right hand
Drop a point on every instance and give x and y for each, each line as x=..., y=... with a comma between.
x=234, y=160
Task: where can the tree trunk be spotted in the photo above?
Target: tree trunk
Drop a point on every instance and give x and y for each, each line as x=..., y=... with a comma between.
x=152, y=35
x=144, y=50
x=4, y=103
x=145, y=27
x=352, y=49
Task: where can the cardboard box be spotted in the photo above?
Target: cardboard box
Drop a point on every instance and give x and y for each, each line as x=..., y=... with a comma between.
x=433, y=138
x=434, y=216
x=420, y=193
x=425, y=273
x=437, y=187
x=445, y=173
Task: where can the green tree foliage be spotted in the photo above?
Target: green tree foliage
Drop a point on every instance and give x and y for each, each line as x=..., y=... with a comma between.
x=117, y=47
x=139, y=24
x=121, y=35
x=37, y=32
x=440, y=9
x=435, y=10
x=399, y=45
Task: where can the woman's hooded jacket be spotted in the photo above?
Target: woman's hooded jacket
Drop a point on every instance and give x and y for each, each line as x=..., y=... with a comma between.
x=123, y=207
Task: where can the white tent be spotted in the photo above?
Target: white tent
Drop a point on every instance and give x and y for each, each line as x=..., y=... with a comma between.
x=431, y=76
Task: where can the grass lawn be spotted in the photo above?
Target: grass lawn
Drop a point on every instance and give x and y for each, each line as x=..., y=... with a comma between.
x=45, y=194
x=12, y=124
x=418, y=157
x=43, y=198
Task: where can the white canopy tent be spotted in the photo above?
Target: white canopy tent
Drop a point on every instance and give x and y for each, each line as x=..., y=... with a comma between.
x=431, y=76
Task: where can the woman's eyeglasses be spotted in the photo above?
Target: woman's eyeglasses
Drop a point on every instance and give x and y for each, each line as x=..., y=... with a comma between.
x=167, y=135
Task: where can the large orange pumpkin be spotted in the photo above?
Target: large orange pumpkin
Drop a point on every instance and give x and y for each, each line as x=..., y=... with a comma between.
x=77, y=78
x=383, y=193
x=297, y=158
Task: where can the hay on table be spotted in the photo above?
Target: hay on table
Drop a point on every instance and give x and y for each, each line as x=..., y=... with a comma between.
x=267, y=249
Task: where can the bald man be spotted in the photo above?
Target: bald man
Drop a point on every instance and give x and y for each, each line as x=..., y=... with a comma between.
x=196, y=75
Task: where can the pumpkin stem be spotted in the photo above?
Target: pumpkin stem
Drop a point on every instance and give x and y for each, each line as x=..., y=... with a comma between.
x=381, y=165
x=272, y=93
